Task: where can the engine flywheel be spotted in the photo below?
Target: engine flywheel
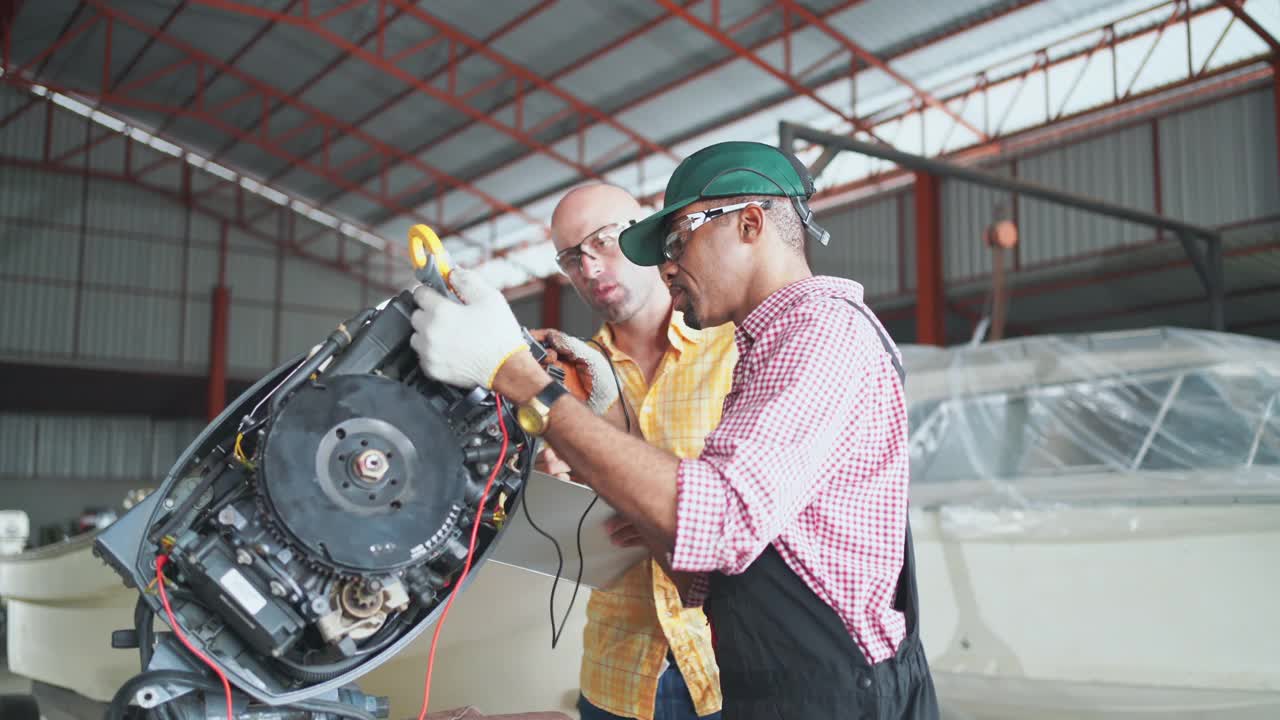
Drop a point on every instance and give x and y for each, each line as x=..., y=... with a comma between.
x=364, y=474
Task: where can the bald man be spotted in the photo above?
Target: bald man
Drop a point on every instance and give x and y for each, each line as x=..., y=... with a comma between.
x=644, y=655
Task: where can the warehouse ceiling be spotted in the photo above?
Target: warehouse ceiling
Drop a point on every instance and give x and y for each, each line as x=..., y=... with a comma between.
x=372, y=115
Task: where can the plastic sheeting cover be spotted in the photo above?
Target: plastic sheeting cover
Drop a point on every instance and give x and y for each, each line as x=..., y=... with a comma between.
x=1151, y=416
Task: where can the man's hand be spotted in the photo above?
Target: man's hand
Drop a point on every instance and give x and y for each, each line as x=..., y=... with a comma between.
x=550, y=463
x=592, y=366
x=622, y=532
x=465, y=345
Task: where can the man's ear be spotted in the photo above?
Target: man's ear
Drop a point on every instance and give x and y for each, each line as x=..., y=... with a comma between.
x=751, y=223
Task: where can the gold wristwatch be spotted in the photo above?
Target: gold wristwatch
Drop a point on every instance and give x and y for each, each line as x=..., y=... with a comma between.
x=535, y=415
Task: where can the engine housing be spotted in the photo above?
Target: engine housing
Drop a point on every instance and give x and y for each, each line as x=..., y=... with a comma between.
x=318, y=524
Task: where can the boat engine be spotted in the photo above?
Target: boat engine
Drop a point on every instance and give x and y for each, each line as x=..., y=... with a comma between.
x=316, y=527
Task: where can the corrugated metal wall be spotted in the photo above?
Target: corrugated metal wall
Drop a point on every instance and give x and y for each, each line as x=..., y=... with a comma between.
x=1215, y=165
x=133, y=288
x=1218, y=163
x=867, y=244
x=866, y=236
x=54, y=466
x=101, y=272
x=577, y=317
x=967, y=211
x=1117, y=167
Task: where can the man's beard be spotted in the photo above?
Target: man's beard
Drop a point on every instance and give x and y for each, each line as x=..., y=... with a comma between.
x=691, y=319
x=686, y=307
x=618, y=311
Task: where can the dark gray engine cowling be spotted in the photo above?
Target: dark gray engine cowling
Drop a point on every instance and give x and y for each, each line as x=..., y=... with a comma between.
x=317, y=525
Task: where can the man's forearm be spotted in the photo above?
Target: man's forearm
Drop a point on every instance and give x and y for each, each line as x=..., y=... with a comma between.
x=635, y=478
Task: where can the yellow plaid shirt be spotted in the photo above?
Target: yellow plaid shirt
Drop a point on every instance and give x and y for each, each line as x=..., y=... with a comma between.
x=632, y=624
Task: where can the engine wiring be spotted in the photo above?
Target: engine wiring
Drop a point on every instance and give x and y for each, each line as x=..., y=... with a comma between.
x=239, y=452
x=198, y=487
x=161, y=561
x=577, y=584
x=471, y=551
x=159, y=585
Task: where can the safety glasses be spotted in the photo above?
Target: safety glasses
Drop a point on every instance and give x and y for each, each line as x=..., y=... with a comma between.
x=683, y=228
x=599, y=244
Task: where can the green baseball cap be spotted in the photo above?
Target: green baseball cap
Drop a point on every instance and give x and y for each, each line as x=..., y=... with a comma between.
x=727, y=169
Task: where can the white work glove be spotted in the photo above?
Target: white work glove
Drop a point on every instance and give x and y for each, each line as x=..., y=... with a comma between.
x=464, y=345
x=592, y=366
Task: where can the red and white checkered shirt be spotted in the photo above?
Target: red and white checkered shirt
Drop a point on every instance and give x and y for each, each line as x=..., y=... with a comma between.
x=810, y=455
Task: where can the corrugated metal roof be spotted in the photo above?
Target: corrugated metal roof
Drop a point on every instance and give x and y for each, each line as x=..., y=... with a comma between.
x=731, y=98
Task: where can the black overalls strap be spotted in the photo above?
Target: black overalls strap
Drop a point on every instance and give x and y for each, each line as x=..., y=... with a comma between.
x=907, y=578
x=784, y=653
x=884, y=340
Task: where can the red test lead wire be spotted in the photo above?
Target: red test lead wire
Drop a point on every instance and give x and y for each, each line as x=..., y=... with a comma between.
x=161, y=561
x=431, y=659
x=466, y=567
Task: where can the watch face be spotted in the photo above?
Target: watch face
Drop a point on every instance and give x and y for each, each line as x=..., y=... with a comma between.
x=530, y=420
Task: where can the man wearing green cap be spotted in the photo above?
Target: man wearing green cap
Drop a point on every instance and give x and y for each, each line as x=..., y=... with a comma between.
x=791, y=526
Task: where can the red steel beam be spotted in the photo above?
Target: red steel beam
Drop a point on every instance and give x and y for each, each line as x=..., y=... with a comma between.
x=554, y=77
x=952, y=32
x=19, y=112
x=930, y=292
x=1108, y=114
x=742, y=52
x=218, y=331
x=706, y=69
x=308, y=84
x=534, y=79
x=874, y=61
x=398, y=97
x=60, y=42
x=379, y=63
x=161, y=72
x=551, y=305
x=620, y=42
x=107, y=133
x=146, y=46
x=1093, y=121
x=8, y=17
x=1175, y=16
x=697, y=73
x=267, y=94
x=989, y=80
x=1237, y=8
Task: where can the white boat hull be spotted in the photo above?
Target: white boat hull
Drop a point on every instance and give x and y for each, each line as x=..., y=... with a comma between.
x=1103, y=612
x=1134, y=612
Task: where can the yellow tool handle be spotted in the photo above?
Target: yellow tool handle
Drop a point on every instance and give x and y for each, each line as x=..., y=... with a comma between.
x=431, y=263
